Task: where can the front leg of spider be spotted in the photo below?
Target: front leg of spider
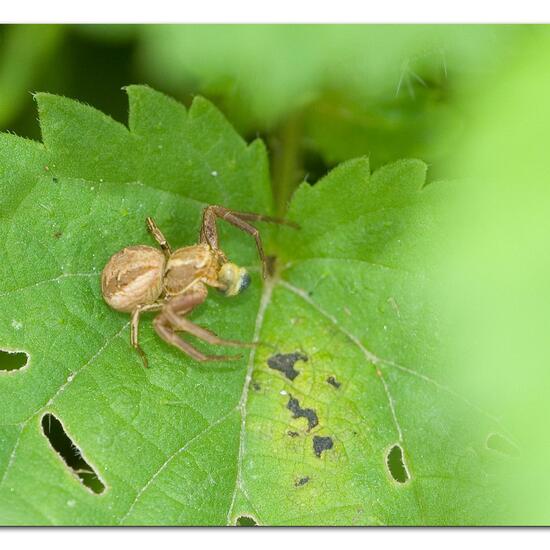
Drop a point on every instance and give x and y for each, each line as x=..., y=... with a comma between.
x=209, y=231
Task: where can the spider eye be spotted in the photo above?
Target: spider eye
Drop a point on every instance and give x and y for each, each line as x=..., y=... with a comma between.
x=245, y=281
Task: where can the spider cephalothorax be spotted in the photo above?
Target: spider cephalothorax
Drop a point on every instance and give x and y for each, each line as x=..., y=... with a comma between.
x=142, y=278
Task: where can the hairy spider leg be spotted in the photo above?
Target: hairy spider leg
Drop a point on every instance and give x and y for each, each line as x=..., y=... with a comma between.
x=251, y=216
x=168, y=321
x=159, y=237
x=209, y=230
x=174, y=312
x=134, y=327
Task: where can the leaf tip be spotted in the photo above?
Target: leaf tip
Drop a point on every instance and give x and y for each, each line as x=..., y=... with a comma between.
x=149, y=108
x=415, y=171
x=201, y=106
x=137, y=89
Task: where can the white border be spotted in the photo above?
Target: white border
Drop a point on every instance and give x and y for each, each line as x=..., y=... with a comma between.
x=234, y=538
x=281, y=11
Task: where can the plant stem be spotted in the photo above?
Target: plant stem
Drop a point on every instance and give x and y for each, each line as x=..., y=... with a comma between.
x=287, y=164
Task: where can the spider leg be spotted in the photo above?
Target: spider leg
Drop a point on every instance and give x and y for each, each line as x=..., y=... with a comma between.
x=251, y=230
x=171, y=320
x=159, y=237
x=209, y=231
x=181, y=323
x=134, y=327
x=251, y=216
x=166, y=332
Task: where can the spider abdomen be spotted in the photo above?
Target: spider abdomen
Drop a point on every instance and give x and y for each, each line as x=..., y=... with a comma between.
x=133, y=276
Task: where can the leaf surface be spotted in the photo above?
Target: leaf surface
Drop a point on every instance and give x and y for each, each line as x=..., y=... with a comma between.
x=300, y=429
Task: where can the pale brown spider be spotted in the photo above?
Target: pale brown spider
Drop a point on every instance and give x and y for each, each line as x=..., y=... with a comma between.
x=141, y=279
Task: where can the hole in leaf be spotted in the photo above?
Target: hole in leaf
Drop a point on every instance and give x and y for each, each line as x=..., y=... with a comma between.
x=501, y=444
x=70, y=453
x=396, y=464
x=245, y=521
x=13, y=360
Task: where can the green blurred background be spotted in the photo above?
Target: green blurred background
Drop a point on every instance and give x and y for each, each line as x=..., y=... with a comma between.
x=471, y=101
x=317, y=94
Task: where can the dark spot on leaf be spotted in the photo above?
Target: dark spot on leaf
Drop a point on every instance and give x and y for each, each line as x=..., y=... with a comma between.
x=55, y=180
x=13, y=360
x=396, y=464
x=245, y=521
x=501, y=444
x=284, y=362
x=301, y=481
x=70, y=453
x=293, y=406
x=293, y=434
x=57, y=234
x=321, y=444
x=256, y=386
x=333, y=382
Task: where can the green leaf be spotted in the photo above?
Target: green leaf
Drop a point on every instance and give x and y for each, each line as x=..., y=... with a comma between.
x=307, y=428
